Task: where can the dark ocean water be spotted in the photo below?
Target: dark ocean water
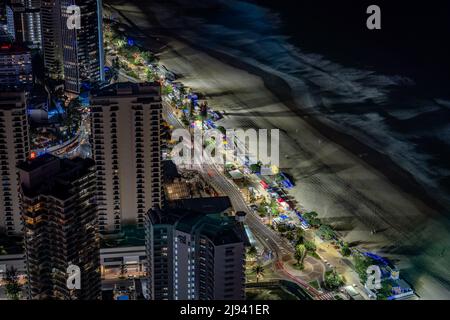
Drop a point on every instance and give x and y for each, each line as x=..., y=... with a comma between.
x=389, y=88
x=412, y=50
x=413, y=41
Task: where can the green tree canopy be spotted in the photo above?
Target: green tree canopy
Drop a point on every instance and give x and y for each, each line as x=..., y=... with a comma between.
x=326, y=232
x=310, y=246
x=333, y=280
x=259, y=271
x=300, y=253
x=312, y=218
x=255, y=167
x=252, y=251
x=345, y=250
x=12, y=287
x=167, y=89
x=361, y=264
x=222, y=130
x=299, y=236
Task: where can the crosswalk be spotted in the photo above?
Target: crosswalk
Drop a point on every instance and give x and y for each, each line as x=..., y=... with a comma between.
x=326, y=296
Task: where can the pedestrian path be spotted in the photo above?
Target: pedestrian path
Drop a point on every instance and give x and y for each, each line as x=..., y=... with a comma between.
x=326, y=296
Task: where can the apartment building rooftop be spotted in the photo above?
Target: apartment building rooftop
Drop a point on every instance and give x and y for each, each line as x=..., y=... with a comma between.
x=124, y=89
x=11, y=48
x=207, y=205
x=220, y=228
x=50, y=175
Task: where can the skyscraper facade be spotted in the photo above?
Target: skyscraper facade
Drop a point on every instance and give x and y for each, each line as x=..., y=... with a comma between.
x=3, y=12
x=126, y=121
x=24, y=22
x=14, y=148
x=194, y=256
x=60, y=227
x=75, y=55
x=15, y=66
x=51, y=38
x=82, y=49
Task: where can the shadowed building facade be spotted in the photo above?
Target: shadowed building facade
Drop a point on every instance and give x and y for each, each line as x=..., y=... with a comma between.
x=24, y=22
x=51, y=38
x=14, y=148
x=75, y=55
x=194, y=256
x=15, y=67
x=126, y=120
x=60, y=227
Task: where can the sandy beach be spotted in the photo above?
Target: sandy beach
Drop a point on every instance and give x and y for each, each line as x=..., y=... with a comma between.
x=342, y=186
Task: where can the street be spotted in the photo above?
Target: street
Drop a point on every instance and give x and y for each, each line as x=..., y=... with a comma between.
x=278, y=246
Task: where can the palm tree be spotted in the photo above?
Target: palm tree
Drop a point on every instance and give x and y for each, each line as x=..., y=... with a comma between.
x=12, y=287
x=120, y=43
x=333, y=280
x=246, y=185
x=273, y=207
x=204, y=110
x=310, y=246
x=299, y=236
x=259, y=271
x=300, y=253
x=191, y=109
x=123, y=270
x=252, y=252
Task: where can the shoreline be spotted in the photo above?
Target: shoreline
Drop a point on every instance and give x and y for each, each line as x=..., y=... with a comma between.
x=280, y=88
x=416, y=198
x=383, y=164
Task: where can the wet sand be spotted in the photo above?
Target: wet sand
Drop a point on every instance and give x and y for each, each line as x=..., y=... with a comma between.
x=334, y=175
